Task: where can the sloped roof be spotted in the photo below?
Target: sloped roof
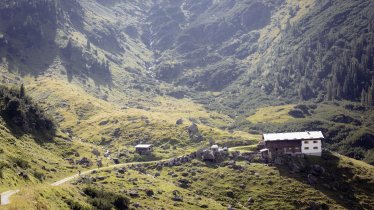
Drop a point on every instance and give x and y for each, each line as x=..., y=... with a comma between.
x=293, y=136
x=143, y=146
x=215, y=146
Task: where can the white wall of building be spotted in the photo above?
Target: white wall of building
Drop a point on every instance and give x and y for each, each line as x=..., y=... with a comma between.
x=311, y=147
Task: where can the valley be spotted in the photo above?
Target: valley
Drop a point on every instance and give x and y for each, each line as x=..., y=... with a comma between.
x=85, y=81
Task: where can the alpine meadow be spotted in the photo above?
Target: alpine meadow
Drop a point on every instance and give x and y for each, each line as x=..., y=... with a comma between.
x=186, y=104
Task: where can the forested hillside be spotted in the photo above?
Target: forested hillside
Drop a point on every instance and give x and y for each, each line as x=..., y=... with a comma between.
x=84, y=82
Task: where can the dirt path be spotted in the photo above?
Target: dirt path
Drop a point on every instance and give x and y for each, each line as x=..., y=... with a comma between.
x=71, y=178
x=6, y=195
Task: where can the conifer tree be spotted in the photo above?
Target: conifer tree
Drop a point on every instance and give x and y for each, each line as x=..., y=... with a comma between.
x=363, y=97
x=22, y=91
x=88, y=45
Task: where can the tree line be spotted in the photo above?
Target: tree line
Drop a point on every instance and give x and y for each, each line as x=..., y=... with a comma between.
x=18, y=110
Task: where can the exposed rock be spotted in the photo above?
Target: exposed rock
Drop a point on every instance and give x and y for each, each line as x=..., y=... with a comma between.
x=176, y=196
x=180, y=122
x=101, y=178
x=250, y=200
x=115, y=160
x=317, y=170
x=84, y=161
x=312, y=179
x=193, y=130
x=133, y=193
x=204, y=206
x=116, y=133
x=122, y=170
x=184, y=183
x=230, y=208
x=208, y=155
x=149, y=192
x=230, y=194
x=137, y=205
x=185, y=174
x=96, y=152
x=102, y=123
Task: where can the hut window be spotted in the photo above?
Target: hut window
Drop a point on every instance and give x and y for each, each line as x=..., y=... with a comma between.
x=315, y=147
x=306, y=148
x=306, y=142
x=315, y=142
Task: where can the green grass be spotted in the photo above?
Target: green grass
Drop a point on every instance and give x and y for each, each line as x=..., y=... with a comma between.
x=211, y=183
x=272, y=114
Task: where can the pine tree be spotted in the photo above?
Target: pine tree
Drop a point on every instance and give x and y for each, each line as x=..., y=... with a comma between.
x=370, y=96
x=88, y=45
x=68, y=50
x=22, y=91
x=363, y=97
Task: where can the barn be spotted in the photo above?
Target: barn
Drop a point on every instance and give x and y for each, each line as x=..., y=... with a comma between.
x=295, y=143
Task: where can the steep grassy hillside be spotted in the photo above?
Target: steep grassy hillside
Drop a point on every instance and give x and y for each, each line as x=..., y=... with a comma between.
x=103, y=76
x=343, y=184
x=347, y=126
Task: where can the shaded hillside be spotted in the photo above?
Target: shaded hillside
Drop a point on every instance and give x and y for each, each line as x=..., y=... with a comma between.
x=22, y=115
x=325, y=55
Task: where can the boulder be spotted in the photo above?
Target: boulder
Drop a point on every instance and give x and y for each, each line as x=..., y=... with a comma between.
x=177, y=198
x=137, y=205
x=230, y=208
x=317, y=170
x=102, y=123
x=84, y=161
x=193, y=130
x=312, y=179
x=179, y=122
x=230, y=194
x=185, y=174
x=133, y=193
x=100, y=178
x=96, y=152
x=149, y=192
x=184, y=183
x=250, y=201
x=122, y=170
x=208, y=155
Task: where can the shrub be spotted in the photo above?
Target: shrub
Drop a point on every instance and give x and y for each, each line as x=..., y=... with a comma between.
x=296, y=113
x=75, y=205
x=21, y=163
x=40, y=176
x=106, y=200
x=18, y=110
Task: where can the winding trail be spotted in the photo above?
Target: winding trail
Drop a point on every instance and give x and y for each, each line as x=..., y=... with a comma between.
x=5, y=197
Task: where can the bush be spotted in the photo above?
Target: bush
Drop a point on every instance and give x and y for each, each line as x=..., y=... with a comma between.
x=40, y=176
x=296, y=113
x=21, y=163
x=75, y=205
x=106, y=200
x=18, y=110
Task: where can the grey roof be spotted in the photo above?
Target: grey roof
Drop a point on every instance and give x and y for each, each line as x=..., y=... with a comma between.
x=215, y=146
x=293, y=136
x=143, y=146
